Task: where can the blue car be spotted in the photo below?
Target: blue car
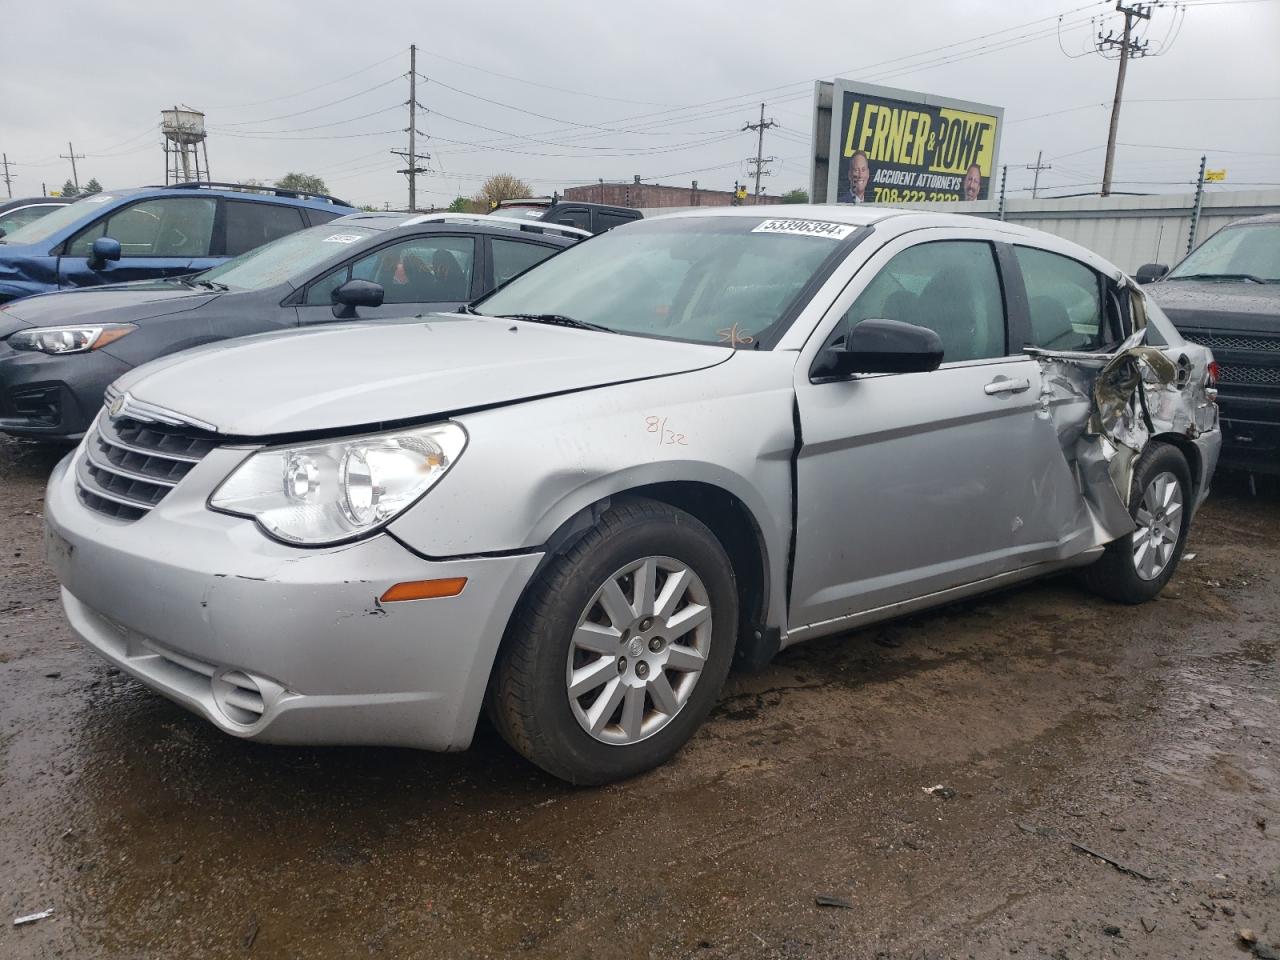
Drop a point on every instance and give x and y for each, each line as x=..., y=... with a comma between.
x=148, y=233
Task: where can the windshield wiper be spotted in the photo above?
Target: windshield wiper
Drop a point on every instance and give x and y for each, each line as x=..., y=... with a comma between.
x=1221, y=276
x=557, y=320
x=210, y=284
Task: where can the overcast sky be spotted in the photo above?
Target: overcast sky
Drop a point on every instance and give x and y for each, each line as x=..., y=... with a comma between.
x=659, y=89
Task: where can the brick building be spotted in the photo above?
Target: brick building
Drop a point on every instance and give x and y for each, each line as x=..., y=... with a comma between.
x=645, y=195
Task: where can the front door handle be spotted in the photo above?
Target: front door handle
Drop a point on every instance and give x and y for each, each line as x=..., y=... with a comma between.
x=1006, y=385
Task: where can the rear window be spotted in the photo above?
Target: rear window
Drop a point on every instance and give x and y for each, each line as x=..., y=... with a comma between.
x=250, y=225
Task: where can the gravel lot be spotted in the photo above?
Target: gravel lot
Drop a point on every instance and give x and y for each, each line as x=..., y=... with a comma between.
x=1147, y=734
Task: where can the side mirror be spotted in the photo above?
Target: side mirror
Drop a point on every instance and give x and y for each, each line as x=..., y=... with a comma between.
x=883, y=346
x=104, y=249
x=356, y=293
x=1150, y=272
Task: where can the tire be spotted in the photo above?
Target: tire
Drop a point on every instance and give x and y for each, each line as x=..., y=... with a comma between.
x=562, y=637
x=1126, y=573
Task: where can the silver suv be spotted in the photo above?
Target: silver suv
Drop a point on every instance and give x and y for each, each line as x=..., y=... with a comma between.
x=690, y=441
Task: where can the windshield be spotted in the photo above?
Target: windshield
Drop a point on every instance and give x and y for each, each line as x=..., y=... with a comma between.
x=1247, y=251
x=288, y=258
x=37, y=231
x=720, y=280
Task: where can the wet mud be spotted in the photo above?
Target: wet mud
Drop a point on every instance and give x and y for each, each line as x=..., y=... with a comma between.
x=1053, y=720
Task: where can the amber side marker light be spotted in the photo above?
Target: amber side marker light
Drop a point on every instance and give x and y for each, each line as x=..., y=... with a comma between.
x=424, y=589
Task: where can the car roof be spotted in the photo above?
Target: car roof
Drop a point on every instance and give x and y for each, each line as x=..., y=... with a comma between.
x=233, y=191
x=1260, y=218
x=27, y=201
x=465, y=223
x=898, y=220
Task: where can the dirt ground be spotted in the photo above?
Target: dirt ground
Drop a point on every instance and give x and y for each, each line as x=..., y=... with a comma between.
x=1147, y=734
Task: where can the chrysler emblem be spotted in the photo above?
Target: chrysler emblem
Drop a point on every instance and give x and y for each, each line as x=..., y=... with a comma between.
x=117, y=405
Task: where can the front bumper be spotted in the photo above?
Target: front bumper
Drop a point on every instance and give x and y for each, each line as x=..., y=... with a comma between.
x=53, y=397
x=1250, y=430
x=275, y=643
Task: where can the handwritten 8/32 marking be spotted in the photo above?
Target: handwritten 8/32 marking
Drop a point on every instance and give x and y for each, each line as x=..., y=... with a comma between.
x=666, y=438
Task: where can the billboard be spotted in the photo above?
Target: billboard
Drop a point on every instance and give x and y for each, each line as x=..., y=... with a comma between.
x=896, y=146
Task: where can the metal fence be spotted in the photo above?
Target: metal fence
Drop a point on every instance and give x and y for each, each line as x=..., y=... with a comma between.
x=1128, y=231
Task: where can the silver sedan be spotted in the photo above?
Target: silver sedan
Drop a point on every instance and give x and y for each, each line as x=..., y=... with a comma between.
x=683, y=444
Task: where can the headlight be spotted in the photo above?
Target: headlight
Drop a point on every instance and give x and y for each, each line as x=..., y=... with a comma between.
x=330, y=492
x=69, y=339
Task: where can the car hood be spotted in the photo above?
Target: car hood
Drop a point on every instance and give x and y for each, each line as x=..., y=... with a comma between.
x=118, y=303
x=1234, y=305
x=380, y=372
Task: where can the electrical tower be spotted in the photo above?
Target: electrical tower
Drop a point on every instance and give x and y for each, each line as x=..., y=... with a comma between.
x=1037, y=167
x=1128, y=45
x=760, y=159
x=411, y=157
x=73, y=157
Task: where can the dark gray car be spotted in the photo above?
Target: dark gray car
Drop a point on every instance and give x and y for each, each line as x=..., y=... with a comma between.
x=1226, y=295
x=59, y=351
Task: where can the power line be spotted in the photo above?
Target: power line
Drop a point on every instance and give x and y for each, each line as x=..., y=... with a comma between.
x=331, y=103
x=319, y=86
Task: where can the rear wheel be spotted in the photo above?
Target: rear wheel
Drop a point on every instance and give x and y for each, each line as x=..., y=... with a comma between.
x=1136, y=567
x=621, y=647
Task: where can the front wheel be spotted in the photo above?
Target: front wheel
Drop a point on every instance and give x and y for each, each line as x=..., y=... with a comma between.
x=1136, y=567
x=619, y=650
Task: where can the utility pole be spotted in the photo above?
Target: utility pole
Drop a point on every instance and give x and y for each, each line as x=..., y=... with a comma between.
x=1037, y=167
x=1004, y=176
x=73, y=157
x=1129, y=47
x=8, y=181
x=1195, y=211
x=411, y=158
x=760, y=159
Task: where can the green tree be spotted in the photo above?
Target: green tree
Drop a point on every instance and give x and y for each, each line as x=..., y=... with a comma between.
x=302, y=182
x=502, y=186
x=69, y=189
x=461, y=204
x=796, y=196
x=93, y=186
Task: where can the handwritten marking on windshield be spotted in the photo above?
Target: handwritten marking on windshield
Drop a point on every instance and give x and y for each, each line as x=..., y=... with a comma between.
x=667, y=438
x=733, y=336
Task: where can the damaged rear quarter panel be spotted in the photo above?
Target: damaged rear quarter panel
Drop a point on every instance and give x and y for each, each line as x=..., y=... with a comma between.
x=1108, y=407
x=529, y=467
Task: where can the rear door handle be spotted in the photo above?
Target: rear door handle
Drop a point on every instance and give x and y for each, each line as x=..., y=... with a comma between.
x=1006, y=385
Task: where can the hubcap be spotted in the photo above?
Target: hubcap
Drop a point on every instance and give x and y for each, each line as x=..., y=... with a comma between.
x=638, y=650
x=1159, y=520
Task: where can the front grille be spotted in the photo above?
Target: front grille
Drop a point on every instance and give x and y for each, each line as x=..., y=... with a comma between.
x=128, y=466
x=1238, y=373
x=41, y=405
x=1231, y=341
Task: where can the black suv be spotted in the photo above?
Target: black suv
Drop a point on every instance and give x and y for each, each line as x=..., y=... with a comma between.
x=1226, y=295
x=592, y=217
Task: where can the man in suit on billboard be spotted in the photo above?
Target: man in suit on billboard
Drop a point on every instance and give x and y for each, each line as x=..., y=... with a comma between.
x=973, y=182
x=859, y=178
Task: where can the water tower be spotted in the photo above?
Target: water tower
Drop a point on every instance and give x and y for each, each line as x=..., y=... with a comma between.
x=184, y=139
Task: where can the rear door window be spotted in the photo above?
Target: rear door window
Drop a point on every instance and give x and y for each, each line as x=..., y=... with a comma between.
x=250, y=225
x=164, y=227
x=1064, y=298
x=513, y=257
